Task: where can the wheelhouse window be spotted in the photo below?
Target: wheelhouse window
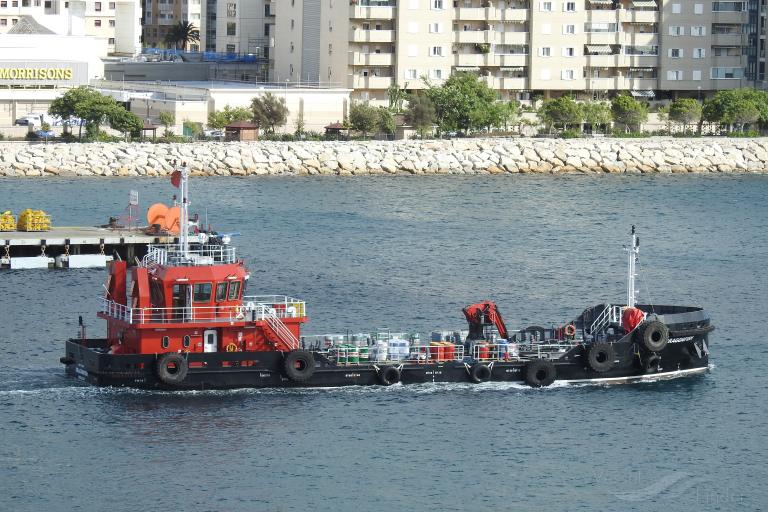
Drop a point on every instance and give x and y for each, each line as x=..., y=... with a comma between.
x=202, y=292
x=221, y=292
x=234, y=290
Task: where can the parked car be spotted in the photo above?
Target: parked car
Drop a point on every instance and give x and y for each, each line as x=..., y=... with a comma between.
x=35, y=120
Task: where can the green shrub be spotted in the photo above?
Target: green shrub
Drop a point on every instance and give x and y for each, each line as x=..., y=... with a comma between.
x=748, y=133
x=570, y=134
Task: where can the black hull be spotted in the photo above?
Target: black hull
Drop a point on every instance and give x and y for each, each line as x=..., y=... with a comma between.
x=221, y=370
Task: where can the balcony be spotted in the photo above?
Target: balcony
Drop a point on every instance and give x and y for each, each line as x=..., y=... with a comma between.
x=726, y=40
x=604, y=16
x=471, y=13
x=641, y=38
x=606, y=61
x=642, y=61
x=473, y=36
x=738, y=17
x=513, y=38
x=371, y=82
x=604, y=37
x=634, y=16
x=371, y=36
x=513, y=60
x=506, y=83
x=371, y=59
x=514, y=14
x=373, y=12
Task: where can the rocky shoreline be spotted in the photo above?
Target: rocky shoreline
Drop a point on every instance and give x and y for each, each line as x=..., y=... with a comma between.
x=461, y=156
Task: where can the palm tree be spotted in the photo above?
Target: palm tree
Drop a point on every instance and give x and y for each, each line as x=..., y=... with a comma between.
x=182, y=34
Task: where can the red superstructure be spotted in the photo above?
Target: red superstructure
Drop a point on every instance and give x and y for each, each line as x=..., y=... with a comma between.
x=189, y=297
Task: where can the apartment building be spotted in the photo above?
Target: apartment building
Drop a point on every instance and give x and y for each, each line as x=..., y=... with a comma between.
x=116, y=21
x=161, y=15
x=650, y=48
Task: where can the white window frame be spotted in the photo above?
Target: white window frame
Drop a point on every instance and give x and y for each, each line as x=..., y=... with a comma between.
x=569, y=49
x=698, y=8
x=698, y=31
x=676, y=30
x=435, y=51
x=674, y=75
x=435, y=28
x=675, y=53
x=569, y=29
x=545, y=51
x=677, y=8
x=569, y=6
x=545, y=6
x=568, y=74
x=696, y=75
x=437, y=5
x=699, y=53
x=411, y=74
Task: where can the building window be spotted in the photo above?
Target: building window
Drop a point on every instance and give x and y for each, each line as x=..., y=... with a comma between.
x=291, y=46
x=696, y=74
x=435, y=28
x=569, y=7
x=25, y=3
x=436, y=51
x=675, y=53
x=15, y=3
x=698, y=9
x=437, y=4
x=4, y=4
x=727, y=73
x=728, y=6
x=3, y=22
x=14, y=21
x=567, y=74
x=437, y=74
x=545, y=51
x=545, y=6
x=96, y=23
x=569, y=52
x=231, y=10
x=234, y=286
x=111, y=23
x=674, y=75
x=411, y=74
x=48, y=4
x=600, y=27
x=569, y=29
x=231, y=48
x=111, y=40
x=676, y=30
x=699, y=53
x=676, y=9
x=112, y=5
x=97, y=7
x=231, y=29
x=699, y=31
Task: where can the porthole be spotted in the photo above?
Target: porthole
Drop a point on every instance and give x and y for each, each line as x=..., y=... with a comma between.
x=186, y=342
x=166, y=341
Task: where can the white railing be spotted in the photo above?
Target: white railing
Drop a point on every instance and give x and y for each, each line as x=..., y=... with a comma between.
x=172, y=254
x=284, y=306
x=419, y=354
x=495, y=351
x=251, y=311
x=263, y=312
x=609, y=314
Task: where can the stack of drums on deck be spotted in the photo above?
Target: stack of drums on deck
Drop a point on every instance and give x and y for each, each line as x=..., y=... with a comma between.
x=7, y=221
x=34, y=220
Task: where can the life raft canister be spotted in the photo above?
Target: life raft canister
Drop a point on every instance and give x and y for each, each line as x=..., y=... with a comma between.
x=631, y=318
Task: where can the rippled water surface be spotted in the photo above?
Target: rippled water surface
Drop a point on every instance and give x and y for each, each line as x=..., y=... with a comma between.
x=408, y=253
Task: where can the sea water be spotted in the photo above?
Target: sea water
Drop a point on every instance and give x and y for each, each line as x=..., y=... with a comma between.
x=406, y=254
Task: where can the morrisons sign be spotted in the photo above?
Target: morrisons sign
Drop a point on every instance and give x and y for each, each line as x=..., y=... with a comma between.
x=36, y=74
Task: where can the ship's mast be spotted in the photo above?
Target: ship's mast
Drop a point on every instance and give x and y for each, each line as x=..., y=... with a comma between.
x=632, y=258
x=184, y=213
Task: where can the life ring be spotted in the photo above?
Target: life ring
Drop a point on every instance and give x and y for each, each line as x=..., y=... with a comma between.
x=652, y=364
x=540, y=373
x=389, y=375
x=231, y=348
x=171, y=368
x=570, y=330
x=299, y=365
x=480, y=373
x=600, y=356
x=239, y=313
x=654, y=335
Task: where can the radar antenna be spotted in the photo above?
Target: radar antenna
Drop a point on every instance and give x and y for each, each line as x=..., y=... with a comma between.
x=633, y=258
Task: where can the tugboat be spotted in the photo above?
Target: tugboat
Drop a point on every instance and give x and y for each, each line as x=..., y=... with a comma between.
x=180, y=319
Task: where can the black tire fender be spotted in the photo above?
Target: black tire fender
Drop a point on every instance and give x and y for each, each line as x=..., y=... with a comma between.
x=389, y=375
x=652, y=364
x=480, y=373
x=299, y=365
x=654, y=336
x=600, y=356
x=171, y=368
x=540, y=373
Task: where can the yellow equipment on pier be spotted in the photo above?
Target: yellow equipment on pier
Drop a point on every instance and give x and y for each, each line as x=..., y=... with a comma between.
x=7, y=221
x=34, y=220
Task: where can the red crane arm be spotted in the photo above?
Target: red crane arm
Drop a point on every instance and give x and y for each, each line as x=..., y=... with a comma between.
x=485, y=312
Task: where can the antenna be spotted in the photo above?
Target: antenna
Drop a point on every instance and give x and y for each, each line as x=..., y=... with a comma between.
x=633, y=253
x=184, y=217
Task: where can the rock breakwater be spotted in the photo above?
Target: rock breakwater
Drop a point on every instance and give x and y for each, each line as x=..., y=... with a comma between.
x=461, y=156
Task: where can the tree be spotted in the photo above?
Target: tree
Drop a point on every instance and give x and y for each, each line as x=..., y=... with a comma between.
x=685, y=111
x=363, y=118
x=181, y=34
x=629, y=112
x=420, y=113
x=221, y=118
x=563, y=111
x=269, y=111
x=192, y=128
x=737, y=107
x=509, y=113
x=386, y=122
x=167, y=119
x=126, y=122
x=88, y=105
x=596, y=113
x=397, y=97
x=663, y=114
x=463, y=103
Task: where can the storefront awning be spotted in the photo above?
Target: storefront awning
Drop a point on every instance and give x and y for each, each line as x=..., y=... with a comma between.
x=643, y=94
x=599, y=49
x=513, y=68
x=601, y=2
x=644, y=4
x=466, y=68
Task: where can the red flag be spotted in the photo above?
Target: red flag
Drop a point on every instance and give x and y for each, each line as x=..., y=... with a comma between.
x=176, y=179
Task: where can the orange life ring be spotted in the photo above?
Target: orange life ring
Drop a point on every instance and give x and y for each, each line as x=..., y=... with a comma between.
x=231, y=347
x=570, y=330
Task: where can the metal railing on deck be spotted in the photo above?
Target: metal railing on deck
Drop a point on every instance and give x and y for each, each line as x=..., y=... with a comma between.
x=171, y=254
